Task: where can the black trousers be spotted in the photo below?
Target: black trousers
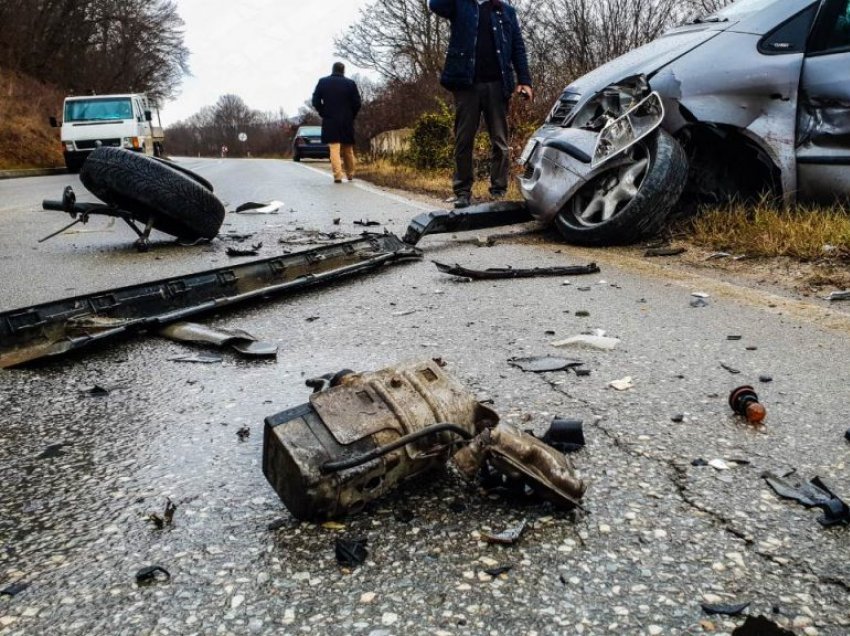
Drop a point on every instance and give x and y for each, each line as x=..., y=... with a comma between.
x=487, y=99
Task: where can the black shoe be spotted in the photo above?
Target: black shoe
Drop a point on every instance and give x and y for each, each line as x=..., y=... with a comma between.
x=337, y=180
x=498, y=195
x=462, y=202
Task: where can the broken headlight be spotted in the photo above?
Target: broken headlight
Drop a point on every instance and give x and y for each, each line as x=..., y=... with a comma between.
x=611, y=102
x=625, y=131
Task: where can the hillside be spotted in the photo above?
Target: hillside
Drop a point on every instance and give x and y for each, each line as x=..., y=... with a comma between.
x=26, y=138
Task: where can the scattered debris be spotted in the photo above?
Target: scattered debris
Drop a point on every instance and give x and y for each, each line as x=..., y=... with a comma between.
x=150, y=574
x=724, y=609
x=351, y=552
x=585, y=289
x=235, y=251
x=243, y=434
x=508, y=272
x=581, y=313
x=838, y=295
x=475, y=217
x=59, y=327
x=366, y=223
x=507, y=537
x=760, y=626
x=718, y=255
x=542, y=364
x=313, y=237
x=566, y=436
x=54, y=450
x=399, y=314
x=733, y=337
x=603, y=343
x=765, y=379
x=97, y=391
x=198, y=358
x=730, y=369
x=337, y=221
x=678, y=418
x=14, y=589
x=582, y=373
x=167, y=517
x=237, y=339
x=718, y=464
x=814, y=494
x=696, y=303
x=700, y=295
x=236, y=237
x=622, y=385
x=272, y=207
x=498, y=570
x=745, y=402
x=664, y=251
x=700, y=462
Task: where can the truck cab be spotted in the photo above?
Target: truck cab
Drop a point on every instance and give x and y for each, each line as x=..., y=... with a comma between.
x=129, y=121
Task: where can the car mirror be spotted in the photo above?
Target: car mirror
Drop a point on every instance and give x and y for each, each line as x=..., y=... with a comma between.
x=148, y=115
x=53, y=122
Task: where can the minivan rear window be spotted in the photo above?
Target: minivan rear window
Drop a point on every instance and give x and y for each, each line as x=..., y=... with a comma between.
x=107, y=109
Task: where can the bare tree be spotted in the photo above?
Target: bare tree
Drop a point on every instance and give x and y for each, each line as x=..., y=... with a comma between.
x=400, y=39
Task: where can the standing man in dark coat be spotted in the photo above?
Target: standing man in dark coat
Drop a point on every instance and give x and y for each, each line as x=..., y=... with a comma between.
x=337, y=100
x=486, y=63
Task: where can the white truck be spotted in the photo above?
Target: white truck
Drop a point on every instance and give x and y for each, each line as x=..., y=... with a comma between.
x=128, y=121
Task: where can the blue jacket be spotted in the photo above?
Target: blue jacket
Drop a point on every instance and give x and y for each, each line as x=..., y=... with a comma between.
x=459, y=71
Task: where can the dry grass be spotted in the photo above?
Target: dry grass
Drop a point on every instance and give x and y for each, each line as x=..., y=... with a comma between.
x=435, y=183
x=765, y=230
x=26, y=139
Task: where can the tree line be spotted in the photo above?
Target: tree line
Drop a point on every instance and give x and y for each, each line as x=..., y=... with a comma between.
x=96, y=46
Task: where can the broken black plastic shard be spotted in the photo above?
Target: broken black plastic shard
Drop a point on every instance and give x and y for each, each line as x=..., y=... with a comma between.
x=699, y=462
x=499, y=570
x=253, y=251
x=581, y=373
x=543, y=364
x=474, y=217
x=198, y=358
x=564, y=435
x=507, y=537
x=760, y=626
x=765, y=379
x=814, y=494
x=725, y=609
x=366, y=223
x=351, y=552
x=243, y=434
x=54, y=450
x=508, y=272
x=730, y=369
x=678, y=418
x=97, y=391
x=151, y=574
x=404, y=515
x=14, y=589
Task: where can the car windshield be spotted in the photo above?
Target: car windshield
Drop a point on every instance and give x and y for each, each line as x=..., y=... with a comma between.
x=98, y=109
x=310, y=131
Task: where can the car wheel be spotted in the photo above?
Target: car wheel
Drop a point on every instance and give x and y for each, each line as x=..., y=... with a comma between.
x=151, y=190
x=631, y=198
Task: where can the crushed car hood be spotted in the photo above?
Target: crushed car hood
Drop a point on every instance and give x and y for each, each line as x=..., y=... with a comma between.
x=645, y=60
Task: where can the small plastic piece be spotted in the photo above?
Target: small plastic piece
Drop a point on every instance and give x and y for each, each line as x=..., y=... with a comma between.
x=745, y=402
x=604, y=343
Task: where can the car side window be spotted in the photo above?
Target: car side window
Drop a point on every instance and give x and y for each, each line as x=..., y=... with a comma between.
x=832, y=29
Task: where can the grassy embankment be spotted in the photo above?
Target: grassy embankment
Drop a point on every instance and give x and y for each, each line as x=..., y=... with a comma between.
x=26, y=139
x=761, y=230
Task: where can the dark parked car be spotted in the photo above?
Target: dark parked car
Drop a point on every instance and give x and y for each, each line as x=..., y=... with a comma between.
x=308, y=144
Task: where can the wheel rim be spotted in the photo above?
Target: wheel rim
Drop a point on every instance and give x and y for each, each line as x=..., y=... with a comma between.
x=607, y=194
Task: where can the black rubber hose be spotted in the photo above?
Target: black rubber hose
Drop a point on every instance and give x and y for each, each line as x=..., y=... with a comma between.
x=351, y=462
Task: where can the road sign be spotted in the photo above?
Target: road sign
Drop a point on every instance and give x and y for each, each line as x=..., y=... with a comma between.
x=242, y=137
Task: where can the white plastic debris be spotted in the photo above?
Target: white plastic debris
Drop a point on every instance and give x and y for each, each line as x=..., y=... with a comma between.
x=271, y=207
x=622, y=385
x=838, y=295
x=700, y=295
x=604, y=343
x=719, y=464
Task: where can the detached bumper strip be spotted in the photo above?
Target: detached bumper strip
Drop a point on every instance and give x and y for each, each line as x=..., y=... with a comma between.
x=62, y=326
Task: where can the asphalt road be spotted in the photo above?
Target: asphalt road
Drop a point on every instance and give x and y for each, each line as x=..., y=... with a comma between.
x=660, y=535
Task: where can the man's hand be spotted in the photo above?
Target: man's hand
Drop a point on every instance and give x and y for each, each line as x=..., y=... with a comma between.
x=526, y=91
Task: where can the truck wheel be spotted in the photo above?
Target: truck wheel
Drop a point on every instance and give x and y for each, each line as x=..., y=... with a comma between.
x=73, y=164
x=150, y=189
x=629, y=200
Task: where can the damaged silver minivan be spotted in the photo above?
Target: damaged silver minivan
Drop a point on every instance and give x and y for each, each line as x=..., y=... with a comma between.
x=754, y=98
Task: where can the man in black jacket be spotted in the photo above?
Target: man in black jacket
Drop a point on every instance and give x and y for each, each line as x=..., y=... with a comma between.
x=337, y=100
x=486, y=50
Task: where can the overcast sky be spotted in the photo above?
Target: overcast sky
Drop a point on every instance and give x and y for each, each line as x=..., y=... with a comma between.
x=270, y=52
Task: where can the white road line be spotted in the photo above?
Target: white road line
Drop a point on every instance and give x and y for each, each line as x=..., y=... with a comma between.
x=370, y=188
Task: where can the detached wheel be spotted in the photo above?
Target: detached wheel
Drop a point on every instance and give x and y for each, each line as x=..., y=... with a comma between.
x=630, y=199
x=150, y=189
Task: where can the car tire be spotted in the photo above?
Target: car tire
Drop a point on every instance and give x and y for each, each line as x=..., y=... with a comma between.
x=151, y=190
x=645, y=214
